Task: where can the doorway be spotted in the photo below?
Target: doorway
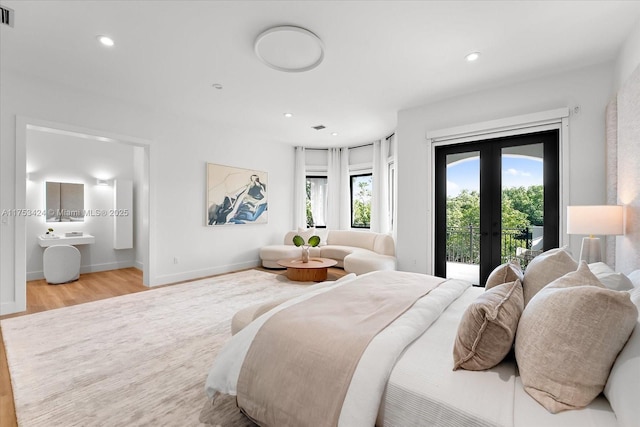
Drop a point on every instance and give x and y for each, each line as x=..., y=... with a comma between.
x=25, y=124
x=496, y=200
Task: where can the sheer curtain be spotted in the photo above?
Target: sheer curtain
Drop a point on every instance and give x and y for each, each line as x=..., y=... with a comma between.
x=380, y=199
x=299, y=190
x=338, y=198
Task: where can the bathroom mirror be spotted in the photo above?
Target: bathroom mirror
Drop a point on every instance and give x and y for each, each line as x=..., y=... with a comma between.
x=65, y=202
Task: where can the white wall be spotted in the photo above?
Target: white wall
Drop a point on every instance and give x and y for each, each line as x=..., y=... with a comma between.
x=180, y=149
x=588, y=88
x=64, y=158
x=628, y=58
x=628, y=151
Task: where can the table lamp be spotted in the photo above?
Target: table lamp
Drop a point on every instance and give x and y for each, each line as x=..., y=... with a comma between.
x=594, y=220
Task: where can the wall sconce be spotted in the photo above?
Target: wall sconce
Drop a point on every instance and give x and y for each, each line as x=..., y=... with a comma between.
x=102, y=182
x=602, y=220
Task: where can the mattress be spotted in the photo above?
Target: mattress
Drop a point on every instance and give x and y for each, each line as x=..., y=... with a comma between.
x=423, y=390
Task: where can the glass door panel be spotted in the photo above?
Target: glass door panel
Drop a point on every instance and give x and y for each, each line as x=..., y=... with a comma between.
x=522, y=203
x=463, y=216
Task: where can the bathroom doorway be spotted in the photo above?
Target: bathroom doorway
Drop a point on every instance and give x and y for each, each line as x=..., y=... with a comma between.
x=27, y=131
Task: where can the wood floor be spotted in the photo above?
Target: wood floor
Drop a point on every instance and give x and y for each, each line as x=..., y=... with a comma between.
x=91, y=287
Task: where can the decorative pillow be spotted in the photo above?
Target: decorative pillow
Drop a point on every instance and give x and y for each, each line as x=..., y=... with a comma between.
x=622, y=388
x=322, y=233
x=568, y=338
x=609, y=278
x=488, y=328
x=544, y=269
x=306, y=233
x=504, y=273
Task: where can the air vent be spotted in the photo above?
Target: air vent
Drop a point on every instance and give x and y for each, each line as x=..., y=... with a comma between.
x=319, y=127
x=8, y=16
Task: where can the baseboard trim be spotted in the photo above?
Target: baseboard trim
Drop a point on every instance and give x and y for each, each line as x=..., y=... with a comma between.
x=10, y=308
x=94, y=268
x=198, y=274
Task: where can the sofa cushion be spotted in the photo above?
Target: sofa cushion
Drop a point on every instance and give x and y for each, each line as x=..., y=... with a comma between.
x=568, y=338
x=336, y=252
x=504, y=273
x=488, y=327
x=359, y=239
x=544, y=269
x=384, y=245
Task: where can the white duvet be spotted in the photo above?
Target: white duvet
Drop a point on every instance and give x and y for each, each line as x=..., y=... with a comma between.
x=367, y=386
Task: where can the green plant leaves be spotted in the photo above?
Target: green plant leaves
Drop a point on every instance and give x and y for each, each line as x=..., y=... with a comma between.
x=298, y=240
x=314, y=241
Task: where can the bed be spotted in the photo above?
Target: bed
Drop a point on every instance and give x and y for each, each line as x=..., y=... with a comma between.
x=405, y=378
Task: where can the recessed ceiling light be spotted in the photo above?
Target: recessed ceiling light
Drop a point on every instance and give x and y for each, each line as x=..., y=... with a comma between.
x=106, y=41
x=216, y=86
x=472, y=56
x=334, y=133
x=288, y=115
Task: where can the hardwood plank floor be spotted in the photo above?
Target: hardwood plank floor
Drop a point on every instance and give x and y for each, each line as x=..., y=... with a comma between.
x=90, y=287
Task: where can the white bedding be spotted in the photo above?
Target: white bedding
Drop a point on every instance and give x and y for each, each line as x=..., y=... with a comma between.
x=423, y=390
x=417, y=386
x=367, y=386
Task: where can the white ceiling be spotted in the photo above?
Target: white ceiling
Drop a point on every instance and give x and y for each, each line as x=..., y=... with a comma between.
x=380, y=56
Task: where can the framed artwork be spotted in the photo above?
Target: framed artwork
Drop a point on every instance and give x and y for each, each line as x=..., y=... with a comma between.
x=236, y=195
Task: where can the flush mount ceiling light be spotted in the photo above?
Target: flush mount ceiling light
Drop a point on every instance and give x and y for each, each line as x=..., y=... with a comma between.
x=105, y=41
x=473, y=56
x=334, y=133
x=288, y=115
x=289, y=48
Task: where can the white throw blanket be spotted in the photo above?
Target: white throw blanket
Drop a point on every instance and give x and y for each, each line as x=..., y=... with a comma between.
x=369, y=380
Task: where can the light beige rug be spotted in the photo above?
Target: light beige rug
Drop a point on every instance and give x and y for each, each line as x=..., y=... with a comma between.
x=135, y=360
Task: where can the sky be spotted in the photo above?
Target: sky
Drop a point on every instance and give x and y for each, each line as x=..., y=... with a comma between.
x=517, y=171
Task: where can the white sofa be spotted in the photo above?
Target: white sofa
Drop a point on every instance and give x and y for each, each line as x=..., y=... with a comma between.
x=357, y=252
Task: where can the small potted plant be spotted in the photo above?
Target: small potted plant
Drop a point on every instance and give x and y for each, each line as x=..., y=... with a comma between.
x=312, y=242
x=49, y=232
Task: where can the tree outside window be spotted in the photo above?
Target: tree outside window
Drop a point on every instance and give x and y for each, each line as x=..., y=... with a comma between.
x=361, y=190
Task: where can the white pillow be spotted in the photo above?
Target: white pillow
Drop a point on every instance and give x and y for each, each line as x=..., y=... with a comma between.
x=622, y=388
x=322, y=233
x=609, y=278
x=634, y=277
x=306, y=234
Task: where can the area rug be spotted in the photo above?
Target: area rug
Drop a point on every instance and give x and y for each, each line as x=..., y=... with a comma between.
x=135, y=360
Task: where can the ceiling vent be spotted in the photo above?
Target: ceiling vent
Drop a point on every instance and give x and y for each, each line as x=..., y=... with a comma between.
x=8, y=16
x=319, y=127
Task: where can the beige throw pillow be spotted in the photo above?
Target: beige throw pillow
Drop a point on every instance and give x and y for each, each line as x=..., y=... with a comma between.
x=488, y=327
x=568, y=338
x=504, y=273
x=544, y=269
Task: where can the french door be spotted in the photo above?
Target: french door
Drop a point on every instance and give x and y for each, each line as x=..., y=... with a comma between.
x=495, y=200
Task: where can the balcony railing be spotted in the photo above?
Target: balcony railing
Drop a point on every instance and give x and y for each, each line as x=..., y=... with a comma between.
x=463, y=245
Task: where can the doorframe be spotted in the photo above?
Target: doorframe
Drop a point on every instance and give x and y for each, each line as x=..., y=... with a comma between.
x=148, y=202
x=510, y=126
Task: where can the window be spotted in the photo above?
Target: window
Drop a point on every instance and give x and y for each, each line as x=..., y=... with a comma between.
x=361, y=188
x=316, y=201
x=392, y=194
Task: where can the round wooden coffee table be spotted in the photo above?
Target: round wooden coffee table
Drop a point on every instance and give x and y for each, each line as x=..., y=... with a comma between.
x=313, y=271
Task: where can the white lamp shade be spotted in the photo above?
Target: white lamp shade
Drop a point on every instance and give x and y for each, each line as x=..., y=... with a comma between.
x=595, y=220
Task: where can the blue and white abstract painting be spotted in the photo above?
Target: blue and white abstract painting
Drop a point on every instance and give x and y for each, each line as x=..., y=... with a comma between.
x=236, y=195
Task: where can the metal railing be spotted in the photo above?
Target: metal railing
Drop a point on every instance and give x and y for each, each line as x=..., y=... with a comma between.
x=463, y=245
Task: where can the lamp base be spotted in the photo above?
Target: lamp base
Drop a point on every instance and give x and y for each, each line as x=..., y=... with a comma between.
x=591, y=251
